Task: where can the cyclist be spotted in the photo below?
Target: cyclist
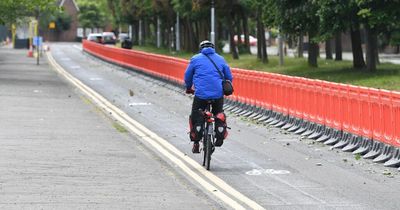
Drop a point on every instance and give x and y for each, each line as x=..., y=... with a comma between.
x=203, y=75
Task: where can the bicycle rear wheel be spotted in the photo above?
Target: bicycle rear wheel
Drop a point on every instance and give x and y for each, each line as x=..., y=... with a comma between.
x=209, y=151
x=204, y=149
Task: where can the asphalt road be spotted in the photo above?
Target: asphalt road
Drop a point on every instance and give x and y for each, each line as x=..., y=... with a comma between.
x=277, y=170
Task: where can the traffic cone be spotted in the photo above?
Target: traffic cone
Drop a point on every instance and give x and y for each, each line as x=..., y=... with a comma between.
x=30, y=51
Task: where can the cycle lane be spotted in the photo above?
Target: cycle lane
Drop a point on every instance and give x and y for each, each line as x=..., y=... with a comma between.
x=254, y=161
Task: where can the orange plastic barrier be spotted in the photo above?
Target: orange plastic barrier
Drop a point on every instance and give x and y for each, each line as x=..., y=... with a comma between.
x=161, y=66
x=367, y=112
x=396, y=118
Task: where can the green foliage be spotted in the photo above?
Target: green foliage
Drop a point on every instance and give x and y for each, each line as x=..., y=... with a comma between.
x=395, y=38
x=91, y=16
x=12, y=10
x=335, y=16
x=382, y=15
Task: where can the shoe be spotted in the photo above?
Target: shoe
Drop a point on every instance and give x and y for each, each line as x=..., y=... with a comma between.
x=196, y=147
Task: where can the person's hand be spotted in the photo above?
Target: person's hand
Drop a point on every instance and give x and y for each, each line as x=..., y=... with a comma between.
x=189, y=91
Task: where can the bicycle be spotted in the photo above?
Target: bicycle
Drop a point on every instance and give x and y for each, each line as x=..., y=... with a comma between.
x=208, y=135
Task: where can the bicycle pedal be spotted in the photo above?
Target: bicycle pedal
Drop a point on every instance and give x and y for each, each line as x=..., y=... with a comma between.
x=228, y=127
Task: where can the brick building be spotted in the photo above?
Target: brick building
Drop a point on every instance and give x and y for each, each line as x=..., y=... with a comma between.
x=71, y=8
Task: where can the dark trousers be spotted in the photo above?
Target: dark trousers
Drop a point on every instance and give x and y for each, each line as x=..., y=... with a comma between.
x=196, y=119
x=217, y=105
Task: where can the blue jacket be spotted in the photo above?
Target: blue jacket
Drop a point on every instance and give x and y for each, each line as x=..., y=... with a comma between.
x=204, y=76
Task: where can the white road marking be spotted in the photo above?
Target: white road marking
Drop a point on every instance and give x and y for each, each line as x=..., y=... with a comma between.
x=270, y=171
x=139, y=104
x=65, y=59
x=77, y=47
x=95, y=78
x=75, y=67
x=214, y=184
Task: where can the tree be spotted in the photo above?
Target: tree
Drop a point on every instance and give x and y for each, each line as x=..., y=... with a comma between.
x=228, y=10
x=395, y=39
x=296, y=17
x=90, y=16
x=263, y=13
x=377, y=16
x=12, y=10
x=189, y=14
x=334, y=19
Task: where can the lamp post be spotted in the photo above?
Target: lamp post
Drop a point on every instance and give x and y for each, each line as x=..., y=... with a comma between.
x=177, y=42
x=280, y=47
x=37, y=35
x=212, y=34
x=158, y=32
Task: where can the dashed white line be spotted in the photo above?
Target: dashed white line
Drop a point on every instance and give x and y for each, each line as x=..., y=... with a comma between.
x=77, y=47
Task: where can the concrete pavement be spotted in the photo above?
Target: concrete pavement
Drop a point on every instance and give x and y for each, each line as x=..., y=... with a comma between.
x=58, y=151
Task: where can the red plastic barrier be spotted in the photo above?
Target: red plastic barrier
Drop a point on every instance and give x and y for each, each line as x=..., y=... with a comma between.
x=365, y=112
x=387, y=116
x=396, y=118
x=377, y=125
x=312, y=105
x=291, y=97
x=297, y=106
x=362, y=111
x=336, y=107
x=321, y=100
x=157, y=65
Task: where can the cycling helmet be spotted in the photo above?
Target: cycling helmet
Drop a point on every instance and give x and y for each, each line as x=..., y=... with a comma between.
x=205, y=44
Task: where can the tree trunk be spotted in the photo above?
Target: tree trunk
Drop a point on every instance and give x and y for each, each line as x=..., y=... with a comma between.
x=197, y=31
x=258, y=38
x=246, y=32
x=190, y=36
x=358, y=57
x=328, y=49
x=231, y=29
x=312, y=51
x=300, y=48
x=264, y=56
x=338, y=46
x=371, y=48
x=145, y=28
x=136, y=26
x=377, y=52
x=313, y=54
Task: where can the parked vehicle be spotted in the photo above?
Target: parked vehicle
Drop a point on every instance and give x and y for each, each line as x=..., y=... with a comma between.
x=109, y=38
x=252, y=39
x=122, y=37
x=95, y=37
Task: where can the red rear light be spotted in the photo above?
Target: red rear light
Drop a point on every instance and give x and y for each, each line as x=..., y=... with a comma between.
x=207, y=113
x=208, y=116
